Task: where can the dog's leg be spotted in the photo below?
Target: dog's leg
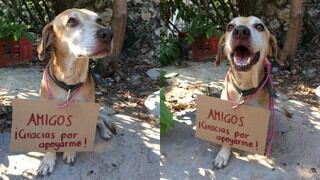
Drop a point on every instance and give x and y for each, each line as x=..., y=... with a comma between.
x=105, y=133
x=106, y=128
x=69, y=157
x=222, y=158
x=47, y=164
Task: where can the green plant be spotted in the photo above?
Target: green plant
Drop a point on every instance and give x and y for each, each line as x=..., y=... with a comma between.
x=169, y=50
x=201, y=27
x=162, y=78
x=198, y=12
x=12, y=30
x=166, y=120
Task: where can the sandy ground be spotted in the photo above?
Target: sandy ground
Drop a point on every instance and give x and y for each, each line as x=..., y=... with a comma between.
x=132, y=154
x=295, y=152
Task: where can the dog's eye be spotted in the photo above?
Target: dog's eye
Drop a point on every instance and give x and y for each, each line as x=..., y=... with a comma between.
x=72, y=22
x=259, y=27
x=230, y=27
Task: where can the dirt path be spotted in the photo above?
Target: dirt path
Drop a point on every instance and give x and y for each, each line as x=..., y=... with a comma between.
x=295, y=152
x=132, y=154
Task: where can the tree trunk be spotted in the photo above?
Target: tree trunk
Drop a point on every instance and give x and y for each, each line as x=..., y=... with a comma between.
x=294, y=31
x=119, y=25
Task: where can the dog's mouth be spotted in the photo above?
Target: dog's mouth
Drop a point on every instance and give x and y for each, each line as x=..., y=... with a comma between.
x=101, y=51
x=243, y=59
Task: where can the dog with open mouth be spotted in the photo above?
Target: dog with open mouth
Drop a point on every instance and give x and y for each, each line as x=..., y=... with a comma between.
x=74, y=36
x=246, y=43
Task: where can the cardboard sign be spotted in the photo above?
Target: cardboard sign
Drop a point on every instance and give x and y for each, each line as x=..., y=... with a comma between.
x=243, y=128
x=38, y=125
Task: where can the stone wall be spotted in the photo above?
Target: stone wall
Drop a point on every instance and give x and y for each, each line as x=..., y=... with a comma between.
x=276, y=15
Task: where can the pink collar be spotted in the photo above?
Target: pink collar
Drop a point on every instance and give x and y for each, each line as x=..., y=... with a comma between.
x=71, y=97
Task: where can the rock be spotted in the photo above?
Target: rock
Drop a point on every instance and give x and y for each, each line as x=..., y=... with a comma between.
x=156, y=1
x=145, y=15
x=135, y=80
x=152, y=103
x=117, y=78
x=108, y=81
x=284, y=14
x=281, y=2
x=144, y=50
x=157, y=32
x=274, y=24
x=170, y=75
x=311, y=73
x=98, y=93
x=106, y=16
x=274, y=69
x=137, y=1
x=153, y=73
x=147, y=61
x=294, y=71
x=313, y=12
x=317, y=92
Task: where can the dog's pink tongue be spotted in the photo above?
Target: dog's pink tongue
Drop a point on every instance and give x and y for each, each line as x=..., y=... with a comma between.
x=241, y=56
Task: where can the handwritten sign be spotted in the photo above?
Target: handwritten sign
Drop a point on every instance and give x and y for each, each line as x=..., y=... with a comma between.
x=39, y=126
x=243, y=128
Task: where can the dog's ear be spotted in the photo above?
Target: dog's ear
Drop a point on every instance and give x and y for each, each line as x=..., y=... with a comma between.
x=220, y=54
x=46, y=40
x=274, y=50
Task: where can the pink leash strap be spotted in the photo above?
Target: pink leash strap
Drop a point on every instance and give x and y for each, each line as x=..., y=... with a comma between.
x=273, y=115
x=50, y=95
x=270, y=136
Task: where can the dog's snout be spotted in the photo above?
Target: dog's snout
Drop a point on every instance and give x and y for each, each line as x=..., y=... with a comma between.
x=241, y=32
x=105, y=34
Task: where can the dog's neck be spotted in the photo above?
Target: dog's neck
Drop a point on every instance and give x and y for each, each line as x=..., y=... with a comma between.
x=248, y=80
x=69, y=69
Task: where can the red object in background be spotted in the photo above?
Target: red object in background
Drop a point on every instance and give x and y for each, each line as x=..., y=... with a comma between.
x=205, y=49
x=12, y=52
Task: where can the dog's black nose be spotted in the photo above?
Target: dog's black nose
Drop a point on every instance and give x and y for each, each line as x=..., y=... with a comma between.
x=241, y=32
x=105, y=34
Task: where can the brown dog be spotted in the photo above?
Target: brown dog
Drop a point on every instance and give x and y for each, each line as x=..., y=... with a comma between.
x=246, y=43
x=74, y=36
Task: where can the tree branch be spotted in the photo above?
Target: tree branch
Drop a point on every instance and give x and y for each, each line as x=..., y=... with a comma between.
x=39, y=10
x=49, y=12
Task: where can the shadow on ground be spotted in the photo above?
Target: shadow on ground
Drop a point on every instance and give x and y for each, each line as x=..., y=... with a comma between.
x=295, y=152
x=132, y=154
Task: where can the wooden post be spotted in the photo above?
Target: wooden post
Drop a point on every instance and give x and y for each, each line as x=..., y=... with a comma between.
x=294, y=31
x=119, y=26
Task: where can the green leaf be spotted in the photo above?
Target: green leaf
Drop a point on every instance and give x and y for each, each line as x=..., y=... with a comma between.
x=163, y=82
x=28, y=36
x=166, y=120
x=162, y=97
x=16, y=35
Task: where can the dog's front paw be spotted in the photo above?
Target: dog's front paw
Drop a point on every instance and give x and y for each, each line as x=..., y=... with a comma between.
x=105, y=133
x=69, y=157
x=47, y=164
x=106, y=128
x=222, y=158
